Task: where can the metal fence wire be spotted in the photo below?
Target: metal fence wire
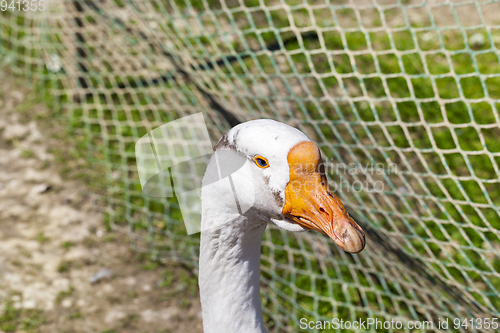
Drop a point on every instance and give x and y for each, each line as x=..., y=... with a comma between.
x=411, y=87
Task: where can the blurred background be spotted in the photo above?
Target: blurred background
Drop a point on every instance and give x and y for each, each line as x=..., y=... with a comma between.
x=409, y=87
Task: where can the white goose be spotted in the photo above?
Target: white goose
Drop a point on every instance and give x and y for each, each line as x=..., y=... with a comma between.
x=284, y=183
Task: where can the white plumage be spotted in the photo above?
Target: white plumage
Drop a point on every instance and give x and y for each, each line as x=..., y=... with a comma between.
x=230, y=241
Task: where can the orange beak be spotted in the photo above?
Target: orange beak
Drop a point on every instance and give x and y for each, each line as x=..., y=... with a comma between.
x=310, y=203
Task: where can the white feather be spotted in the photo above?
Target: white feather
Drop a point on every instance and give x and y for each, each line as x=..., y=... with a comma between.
x=229, y=276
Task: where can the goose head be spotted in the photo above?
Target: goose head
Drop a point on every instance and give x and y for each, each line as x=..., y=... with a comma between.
x=285, y=182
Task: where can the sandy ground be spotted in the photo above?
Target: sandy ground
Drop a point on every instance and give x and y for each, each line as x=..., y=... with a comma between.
x=53, y=240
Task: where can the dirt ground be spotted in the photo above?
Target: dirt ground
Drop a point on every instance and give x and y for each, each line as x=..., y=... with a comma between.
x=53, y=240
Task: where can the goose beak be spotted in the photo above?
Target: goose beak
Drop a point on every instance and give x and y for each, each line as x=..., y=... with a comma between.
x=310, y=203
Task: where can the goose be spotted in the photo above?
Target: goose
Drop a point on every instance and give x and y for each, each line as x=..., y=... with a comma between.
x=282, y=182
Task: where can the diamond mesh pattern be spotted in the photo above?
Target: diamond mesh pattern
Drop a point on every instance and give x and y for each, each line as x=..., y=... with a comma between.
x=412, y=86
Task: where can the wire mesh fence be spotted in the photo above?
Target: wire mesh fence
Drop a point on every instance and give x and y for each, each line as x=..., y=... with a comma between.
x=403, y=94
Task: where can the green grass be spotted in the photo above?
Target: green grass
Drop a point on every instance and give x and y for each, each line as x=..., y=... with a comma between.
x=67, y=245
x=64, y=294
x=13, y=319
x=417, y=82
x=41, y=238
x=64, y=266
x=9, y=317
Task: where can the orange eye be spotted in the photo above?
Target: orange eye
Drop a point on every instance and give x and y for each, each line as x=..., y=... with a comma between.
x=261, y=162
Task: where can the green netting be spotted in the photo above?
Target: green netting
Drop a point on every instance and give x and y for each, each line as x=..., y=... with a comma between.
x=411, y=85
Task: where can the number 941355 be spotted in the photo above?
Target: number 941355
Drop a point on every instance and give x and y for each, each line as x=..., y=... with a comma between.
x=22, y=5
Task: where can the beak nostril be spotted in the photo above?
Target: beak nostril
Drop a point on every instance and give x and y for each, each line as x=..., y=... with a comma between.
x=322, y=210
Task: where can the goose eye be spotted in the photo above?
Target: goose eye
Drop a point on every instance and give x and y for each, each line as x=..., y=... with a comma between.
x=261, y=162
